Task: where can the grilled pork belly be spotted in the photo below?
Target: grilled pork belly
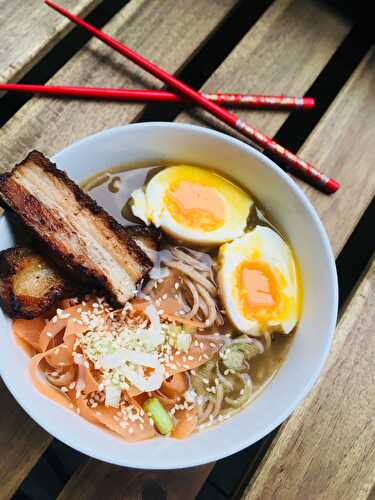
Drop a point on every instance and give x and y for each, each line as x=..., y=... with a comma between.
x=146, y=237
x=29, y=283
x=78, y=234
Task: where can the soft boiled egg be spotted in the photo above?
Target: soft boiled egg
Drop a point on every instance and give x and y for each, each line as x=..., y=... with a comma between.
x=258, y=283
x=193, y=205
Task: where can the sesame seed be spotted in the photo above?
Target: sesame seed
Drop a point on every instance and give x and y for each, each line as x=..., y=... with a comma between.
x=49, y=334
x=98, y=413
x=131, y=430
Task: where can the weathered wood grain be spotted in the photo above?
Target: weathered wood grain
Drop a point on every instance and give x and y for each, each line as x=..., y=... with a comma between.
x=176, y=31
x=29, y=30
x=20, y=445
x=169, y=36
x=130, y=484
x=282, y=54
x=343, y=143
x=326, y=449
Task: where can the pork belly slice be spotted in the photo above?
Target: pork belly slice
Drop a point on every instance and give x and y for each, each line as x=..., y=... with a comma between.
x=146, y=237
x=29, y=283
x=78, y=234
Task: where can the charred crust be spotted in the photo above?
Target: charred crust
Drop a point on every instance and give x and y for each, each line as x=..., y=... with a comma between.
x=14, y=260
x=85, y=201
x=149, y=233
x=10, y=190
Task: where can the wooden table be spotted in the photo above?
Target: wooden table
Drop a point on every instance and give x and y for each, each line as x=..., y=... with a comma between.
x=326, y=448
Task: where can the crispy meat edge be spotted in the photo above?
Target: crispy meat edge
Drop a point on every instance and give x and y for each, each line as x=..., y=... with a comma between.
x=25, y=306
x=85, y=202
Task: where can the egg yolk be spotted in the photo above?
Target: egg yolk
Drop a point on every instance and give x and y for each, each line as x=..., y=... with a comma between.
x=195, y=206
x=258, y=290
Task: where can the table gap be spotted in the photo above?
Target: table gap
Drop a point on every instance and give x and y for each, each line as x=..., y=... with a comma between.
x=356, y=255
x=58, y=56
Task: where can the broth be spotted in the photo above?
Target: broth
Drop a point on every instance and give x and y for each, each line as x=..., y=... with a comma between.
x=112, y=189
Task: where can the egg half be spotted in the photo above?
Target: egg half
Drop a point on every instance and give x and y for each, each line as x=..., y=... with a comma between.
x=193, y=205
x=258, y=283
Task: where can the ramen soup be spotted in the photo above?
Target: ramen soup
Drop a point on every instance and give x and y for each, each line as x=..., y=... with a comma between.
x=209, y=327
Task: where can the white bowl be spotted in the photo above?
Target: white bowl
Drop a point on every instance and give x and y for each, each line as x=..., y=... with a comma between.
x=290, y=210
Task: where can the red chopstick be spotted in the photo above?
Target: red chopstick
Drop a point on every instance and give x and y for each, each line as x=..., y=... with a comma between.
x=295, y=163
x=118, y=94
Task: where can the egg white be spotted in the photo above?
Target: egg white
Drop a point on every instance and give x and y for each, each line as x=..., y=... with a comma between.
x=149, y=205
x=263, y=245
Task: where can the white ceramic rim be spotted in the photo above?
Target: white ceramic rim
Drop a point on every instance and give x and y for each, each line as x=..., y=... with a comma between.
x=331, y=270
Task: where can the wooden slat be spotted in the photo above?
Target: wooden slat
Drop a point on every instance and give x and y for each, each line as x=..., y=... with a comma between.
x=95, y=480
x=283, y=54
x=234, y=73
x=168, y=35
x=348, y=149
x=343, y=142
x=29, y=30
x=20, y=445
x=326, y=450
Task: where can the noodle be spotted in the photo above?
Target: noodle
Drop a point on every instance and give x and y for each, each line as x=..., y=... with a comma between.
x=196, y=296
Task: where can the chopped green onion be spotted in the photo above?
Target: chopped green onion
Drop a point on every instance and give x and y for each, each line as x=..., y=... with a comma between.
x=162, y=419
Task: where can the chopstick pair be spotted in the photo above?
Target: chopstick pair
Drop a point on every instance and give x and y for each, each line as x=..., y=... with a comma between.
x=296, y=164
x=129, y=95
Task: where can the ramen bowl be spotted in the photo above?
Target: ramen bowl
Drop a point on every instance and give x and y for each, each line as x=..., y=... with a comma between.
x=288, y=207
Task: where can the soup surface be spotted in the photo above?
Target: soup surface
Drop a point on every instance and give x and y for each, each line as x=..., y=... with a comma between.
x=112, y=189
x=210, y=324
